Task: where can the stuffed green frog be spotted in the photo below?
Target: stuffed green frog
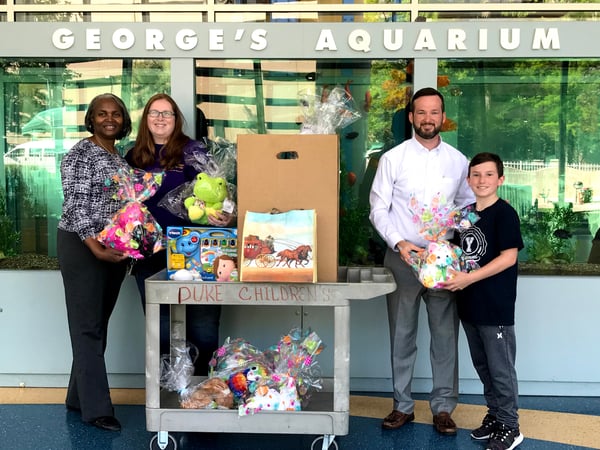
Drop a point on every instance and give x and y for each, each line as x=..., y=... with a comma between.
x=209, y=194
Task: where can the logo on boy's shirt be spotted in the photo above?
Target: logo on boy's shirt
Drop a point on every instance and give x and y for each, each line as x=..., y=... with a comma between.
x=474, y=246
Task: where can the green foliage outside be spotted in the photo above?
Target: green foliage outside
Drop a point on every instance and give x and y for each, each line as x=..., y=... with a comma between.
x=148, y=77
x=389, y=94
x=9, y=237
x=548, y=234
x=355, y=230
x=526, y=110
x=31, y=87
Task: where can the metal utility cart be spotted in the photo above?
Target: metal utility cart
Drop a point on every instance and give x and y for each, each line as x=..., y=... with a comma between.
x=328, y=412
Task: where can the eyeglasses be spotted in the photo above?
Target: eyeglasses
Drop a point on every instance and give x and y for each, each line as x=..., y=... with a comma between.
x=165, y=114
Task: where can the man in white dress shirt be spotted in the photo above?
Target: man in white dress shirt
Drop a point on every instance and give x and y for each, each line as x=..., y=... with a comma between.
x=423, y=166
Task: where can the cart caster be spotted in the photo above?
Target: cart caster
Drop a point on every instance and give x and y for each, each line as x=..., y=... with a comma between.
x=163, y=441
x=328, y=442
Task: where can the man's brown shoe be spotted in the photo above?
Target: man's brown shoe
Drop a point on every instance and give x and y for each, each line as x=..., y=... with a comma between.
x=396, y=419
x=444, y=424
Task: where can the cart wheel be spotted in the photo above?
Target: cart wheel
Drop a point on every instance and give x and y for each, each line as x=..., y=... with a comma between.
x=270, y=261
x=332, y=443
x=171, y=443
x=262, y=261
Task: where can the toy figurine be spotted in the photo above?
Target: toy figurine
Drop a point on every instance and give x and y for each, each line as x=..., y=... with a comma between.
x=225, y=268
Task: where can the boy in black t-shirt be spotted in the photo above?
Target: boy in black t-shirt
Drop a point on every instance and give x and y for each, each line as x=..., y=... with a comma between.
x=486, y=301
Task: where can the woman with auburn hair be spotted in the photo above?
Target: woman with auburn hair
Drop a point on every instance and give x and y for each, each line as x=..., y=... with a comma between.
x=162, y=146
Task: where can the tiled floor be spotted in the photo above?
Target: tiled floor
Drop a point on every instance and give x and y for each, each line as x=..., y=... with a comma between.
x=548, y=423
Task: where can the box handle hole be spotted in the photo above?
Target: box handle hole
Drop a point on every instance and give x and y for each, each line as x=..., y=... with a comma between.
x=289, y=154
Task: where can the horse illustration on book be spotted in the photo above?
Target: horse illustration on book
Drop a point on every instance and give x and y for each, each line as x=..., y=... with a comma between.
x=299, y=256
x=262, y=252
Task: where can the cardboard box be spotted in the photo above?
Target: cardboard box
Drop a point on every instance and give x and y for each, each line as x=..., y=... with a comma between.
x=293, y=171
x=207, y=254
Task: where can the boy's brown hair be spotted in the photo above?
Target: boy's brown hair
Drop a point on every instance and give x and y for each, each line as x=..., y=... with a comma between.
x=484, y=157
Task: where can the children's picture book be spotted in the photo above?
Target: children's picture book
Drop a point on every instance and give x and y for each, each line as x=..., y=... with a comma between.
x=280, y=247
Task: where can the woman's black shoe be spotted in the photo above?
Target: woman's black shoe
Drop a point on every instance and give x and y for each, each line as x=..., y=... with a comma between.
x=108, y=423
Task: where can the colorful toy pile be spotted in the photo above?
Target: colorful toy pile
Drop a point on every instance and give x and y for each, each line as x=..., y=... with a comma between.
x=280, y=379
x=133, y=230
x=241, y=376
x=329, y=112
x=433, y=222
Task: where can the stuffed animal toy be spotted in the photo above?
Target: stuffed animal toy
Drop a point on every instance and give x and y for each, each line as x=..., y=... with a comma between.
x=435, y=261
x=207, y=199
x=245, y=382
x=210, y=394
x=283, y=398
x=238, y=384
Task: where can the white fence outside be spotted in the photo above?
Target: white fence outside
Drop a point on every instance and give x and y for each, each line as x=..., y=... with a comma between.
x=543, y=177
x=537, y=165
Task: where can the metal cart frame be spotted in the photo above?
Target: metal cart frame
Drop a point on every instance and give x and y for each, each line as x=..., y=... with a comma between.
x=328, y=411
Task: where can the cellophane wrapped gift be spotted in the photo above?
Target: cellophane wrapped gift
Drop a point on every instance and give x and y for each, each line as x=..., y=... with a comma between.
x=212, y=191
x=292, y=375
x=279, y=379
x=177, y=369
x=434, y=221
x=235, y=355
x=328, y=112
x=133, y=230
x=241, y=365
x=295, y=356
x=275, y=393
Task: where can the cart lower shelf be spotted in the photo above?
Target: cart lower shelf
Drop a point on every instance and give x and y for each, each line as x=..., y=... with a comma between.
x=317, y=418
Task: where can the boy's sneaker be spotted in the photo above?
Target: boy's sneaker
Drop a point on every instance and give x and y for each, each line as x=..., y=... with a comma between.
x=504, y=438
x=488, y=426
